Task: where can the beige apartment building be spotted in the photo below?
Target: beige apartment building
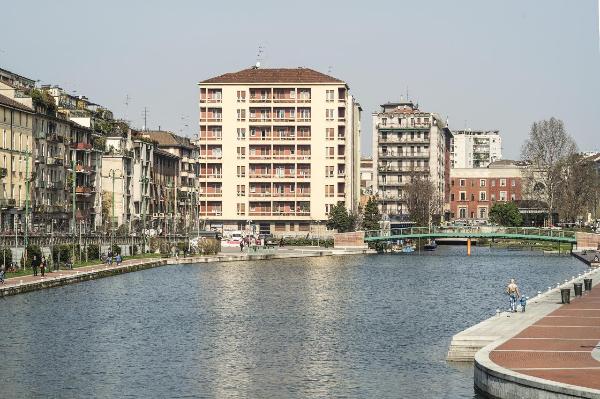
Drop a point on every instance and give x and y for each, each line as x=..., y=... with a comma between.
x=16, y=162
x=278, y=148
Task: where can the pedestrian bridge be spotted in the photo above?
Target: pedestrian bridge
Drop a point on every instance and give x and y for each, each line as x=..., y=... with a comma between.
x=469, y=232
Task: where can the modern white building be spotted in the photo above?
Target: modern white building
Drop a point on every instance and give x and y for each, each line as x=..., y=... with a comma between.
x=278, y=148
x=475, y=148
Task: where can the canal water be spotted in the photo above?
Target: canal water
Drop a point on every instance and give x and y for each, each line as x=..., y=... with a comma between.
x=352, y=326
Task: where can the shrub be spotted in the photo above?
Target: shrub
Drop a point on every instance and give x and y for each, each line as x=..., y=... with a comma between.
x=209, y=246
x=116, y=249
x=134, y=249
x=32, y=250
x=5, y=257
x=64, y=252
x=93, y=251
x=182, y=247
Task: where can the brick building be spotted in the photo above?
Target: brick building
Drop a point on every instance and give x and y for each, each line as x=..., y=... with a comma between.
x=473, y=191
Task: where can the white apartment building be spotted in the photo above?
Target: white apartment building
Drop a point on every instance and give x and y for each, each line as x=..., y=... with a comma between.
x=407, y=141
x=475, y=148
x=278, y=148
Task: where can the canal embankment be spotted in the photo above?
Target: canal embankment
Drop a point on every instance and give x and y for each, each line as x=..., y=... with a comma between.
x=550, y=351
x=28, y=283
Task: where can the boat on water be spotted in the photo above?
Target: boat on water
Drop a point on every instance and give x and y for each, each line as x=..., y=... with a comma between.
x=430, y=246
x=408, y=249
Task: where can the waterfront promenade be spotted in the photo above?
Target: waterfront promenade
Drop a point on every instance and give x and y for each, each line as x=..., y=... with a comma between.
x=22, y=284
x=551, y=351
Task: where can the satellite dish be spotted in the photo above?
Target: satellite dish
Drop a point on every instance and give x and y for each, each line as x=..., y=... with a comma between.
x=258, y=64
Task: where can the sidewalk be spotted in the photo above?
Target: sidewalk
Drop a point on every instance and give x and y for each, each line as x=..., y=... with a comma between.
x=562, y=347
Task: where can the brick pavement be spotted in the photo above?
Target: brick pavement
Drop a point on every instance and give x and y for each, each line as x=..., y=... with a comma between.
x=559, y=347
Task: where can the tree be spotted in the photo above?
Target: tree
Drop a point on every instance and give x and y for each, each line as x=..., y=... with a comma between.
x=339, y=219
x=547, y=146
x=107, y=210
x=421, y=200
x=577, y=187
x=506, y=214
x=371, y=215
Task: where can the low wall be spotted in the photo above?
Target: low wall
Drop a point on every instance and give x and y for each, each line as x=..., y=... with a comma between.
x=355, y=239
x=587, y=241
x=498, y=382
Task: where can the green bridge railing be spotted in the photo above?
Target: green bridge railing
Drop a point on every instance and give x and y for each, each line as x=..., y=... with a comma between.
x=527, y=233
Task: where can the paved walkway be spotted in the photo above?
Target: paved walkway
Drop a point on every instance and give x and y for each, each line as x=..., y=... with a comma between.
x=563, y=346
x=13, y=281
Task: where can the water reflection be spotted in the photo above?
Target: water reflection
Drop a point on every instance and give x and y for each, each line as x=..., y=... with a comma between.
x=360, y=326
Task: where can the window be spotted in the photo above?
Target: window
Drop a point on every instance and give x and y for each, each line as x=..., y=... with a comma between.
x=241, y=133
x=241, y=209
x=512, y=197
x=502, y=195
x=329, y=152
x=329, y=171
x=462, y=182
x=482, y=213
x=329, y=96
x=513, y=182
x=502, y=182
x=493, y=197
x=329, y=114
x=452, y=197
x=481, y=182
x=241, y=190
x=494, y=183
x=241, y=152
x=462, y=213
x=383, y=121
x=241, y=115
x=329, y=133
x=463, y=195
x=482, y=196
x=472, y=197
x=329, y=191
x=241, y=171
x=241, y=96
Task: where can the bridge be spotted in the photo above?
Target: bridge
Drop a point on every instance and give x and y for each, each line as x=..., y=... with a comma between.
x=470, y=232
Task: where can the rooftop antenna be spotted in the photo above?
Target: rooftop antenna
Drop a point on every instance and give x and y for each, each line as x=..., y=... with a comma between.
x=126, y=102
x=330, y=68
x=145, y=115
x=407, y=98
x=259, y=55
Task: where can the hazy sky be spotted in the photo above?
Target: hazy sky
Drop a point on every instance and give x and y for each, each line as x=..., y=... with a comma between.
x=484, y=64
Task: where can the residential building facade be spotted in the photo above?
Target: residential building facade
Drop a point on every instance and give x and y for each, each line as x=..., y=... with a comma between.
x=475, y=148
x=16, y=167
x=408, y=143
x=473, y=191
x=278, y=148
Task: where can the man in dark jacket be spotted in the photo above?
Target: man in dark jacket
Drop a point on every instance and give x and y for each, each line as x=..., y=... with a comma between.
x=34, y=265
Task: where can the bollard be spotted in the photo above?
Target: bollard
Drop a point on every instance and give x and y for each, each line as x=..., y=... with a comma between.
x=577, y=288
x=588, y=284
x=565, y=295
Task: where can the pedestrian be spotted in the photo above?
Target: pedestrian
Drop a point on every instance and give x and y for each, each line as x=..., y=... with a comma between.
x=34, y=265
x=43, y=266
x=281, y=242
x=512, y=289
x=2, y=274
x=523, y=302
x=118, y=259
x=241, y=245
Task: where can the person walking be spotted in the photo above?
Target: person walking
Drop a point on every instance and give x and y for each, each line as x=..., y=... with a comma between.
x=34, y=265
x=241, y=245
x=512, y=289
x=2, y=274
x=43, y=266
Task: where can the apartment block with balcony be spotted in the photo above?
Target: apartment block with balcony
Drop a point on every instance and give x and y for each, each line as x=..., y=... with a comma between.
x=408, y=142
x=475, y=148
x=163, y=178
x=16, y=161
x=278, y=148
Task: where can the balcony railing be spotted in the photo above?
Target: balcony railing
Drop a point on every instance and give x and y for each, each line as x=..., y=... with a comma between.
x=217, y=175
x=81, y=146
x=7, y=202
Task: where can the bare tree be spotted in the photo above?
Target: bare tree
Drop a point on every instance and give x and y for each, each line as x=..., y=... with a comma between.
x=577, y=187
x=421, y=199
x=547, y=146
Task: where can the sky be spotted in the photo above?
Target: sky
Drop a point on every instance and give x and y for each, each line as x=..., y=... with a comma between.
x=482, y=64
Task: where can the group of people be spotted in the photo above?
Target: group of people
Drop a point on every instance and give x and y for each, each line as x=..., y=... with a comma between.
x=515, y=296
x=110, y=258
x=41, y=264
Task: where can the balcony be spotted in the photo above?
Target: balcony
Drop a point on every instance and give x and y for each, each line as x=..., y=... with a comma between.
x=208, y=137
x=264, y=157
x=41, y=159
x=56, y=185
x=81, y=146
x=83, y=190
x=260, y=118
x=210, y=174
x=215, y=193
x=261, y=175
x=259, y=194
x=211, y=212
x=7, y=202
x=83, y=169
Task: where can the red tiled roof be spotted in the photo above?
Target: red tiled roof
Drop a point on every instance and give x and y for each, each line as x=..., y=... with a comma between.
x=274, y=75
x=9, y=102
